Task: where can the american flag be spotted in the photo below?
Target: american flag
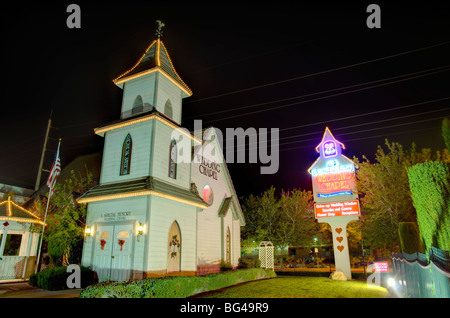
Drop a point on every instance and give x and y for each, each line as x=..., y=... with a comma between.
x=54, y=172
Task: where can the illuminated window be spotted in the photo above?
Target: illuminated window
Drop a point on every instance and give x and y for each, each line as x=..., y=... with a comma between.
x=138, y=105
x=126, y=155
x=208, y=196
x=173, y=160
x=168, y=109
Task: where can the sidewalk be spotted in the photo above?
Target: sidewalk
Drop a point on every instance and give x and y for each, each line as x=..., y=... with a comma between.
x=25, y=290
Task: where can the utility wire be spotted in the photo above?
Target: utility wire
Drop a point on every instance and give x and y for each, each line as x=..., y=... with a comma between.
x=317, y=93
x=325, y=97
x=357, y=116
x=371, y=123
x=359, y=131
x=363, y=138
x=319, y=73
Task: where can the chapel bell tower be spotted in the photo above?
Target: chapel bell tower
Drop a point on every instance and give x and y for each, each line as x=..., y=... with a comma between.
x=153, y=83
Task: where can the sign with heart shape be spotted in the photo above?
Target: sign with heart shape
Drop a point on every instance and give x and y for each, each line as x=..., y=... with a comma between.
x=335, y=197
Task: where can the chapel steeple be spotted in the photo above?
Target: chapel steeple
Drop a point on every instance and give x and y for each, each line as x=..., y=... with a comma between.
x=155, y=59
x=153, y=83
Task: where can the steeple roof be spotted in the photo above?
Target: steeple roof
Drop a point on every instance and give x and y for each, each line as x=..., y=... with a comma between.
x=155, y=58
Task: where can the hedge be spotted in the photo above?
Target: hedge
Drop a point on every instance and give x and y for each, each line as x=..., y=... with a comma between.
x=409, y=238
x=430, y=191
x=55, y=278
x=174, y=286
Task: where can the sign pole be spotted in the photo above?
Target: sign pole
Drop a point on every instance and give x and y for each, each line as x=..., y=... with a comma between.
x=335, y=197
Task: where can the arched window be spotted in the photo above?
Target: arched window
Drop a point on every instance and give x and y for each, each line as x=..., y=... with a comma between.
x=138, y=105
x=173, y=160
x=168, y=109
x=126, y=155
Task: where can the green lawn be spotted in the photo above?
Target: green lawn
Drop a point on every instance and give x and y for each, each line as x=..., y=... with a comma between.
x=300, y=287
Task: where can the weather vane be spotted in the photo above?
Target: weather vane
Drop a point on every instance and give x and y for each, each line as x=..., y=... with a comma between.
x=159, y=31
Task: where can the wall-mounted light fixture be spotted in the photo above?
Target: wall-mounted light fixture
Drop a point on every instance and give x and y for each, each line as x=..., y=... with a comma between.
x=87, y=231
x=140, y=230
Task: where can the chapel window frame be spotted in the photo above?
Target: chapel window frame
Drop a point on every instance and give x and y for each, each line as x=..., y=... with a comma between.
x=173, y=161
x=125, y=163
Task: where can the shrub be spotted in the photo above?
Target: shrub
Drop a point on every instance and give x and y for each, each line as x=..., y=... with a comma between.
x=55, y=278
x=249, y=263
x=430, y=191
x=225, y=266
x=174, y=286
x=409, y=237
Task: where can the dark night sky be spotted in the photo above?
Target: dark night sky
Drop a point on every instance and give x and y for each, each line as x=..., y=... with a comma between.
x=222, y=49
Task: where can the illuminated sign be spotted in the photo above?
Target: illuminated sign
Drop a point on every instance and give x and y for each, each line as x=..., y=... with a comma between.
x=334, y=179
x=336, y=209
x=333, y=166
x=381, y=267
x=333, y=174
x=329, y=149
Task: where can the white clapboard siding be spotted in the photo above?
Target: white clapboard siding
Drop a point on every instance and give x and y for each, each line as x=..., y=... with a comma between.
x=211, y=229
x=161, y=156
x=140, y=155
x=163, y=213
x=144, y=86
x=236, y=242
x=167, y=90
x=138, y=206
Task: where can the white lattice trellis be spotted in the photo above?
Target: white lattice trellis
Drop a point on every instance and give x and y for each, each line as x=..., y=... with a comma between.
x=266, y=255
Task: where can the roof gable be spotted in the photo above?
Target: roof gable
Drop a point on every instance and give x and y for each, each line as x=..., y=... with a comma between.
x=10, y=211
x=232, y=201
x=155, y=58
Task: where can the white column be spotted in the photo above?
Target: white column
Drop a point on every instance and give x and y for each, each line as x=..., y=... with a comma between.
x=29, y=241
x=340, y=242
x=3, y=242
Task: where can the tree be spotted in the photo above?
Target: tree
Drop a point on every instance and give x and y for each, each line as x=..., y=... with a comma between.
x=298, y=224
x=66, y=219
x=384, y=192
x=284, y=220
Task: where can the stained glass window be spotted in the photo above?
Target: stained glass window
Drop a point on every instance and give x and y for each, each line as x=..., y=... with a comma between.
x=208, y=196
x=126, y=155
x=173, y=160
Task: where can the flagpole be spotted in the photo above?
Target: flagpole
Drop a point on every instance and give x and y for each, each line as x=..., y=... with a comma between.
x=42, y=235
x=50, y=192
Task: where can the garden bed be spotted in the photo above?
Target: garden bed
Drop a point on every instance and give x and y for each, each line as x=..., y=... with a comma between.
x=175, y=286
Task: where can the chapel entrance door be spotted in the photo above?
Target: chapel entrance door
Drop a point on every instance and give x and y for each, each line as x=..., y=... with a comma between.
x=174, y=250
x=102, y=251
x=122, y=252
x=113, y=252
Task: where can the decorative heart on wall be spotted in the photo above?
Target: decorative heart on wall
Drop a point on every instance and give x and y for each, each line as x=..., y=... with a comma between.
x=339, y=239
x=338, y=230
x=340, y=248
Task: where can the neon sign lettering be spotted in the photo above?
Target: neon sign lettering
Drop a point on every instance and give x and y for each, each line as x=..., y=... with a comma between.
x=335, y=181
x=332, y=166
